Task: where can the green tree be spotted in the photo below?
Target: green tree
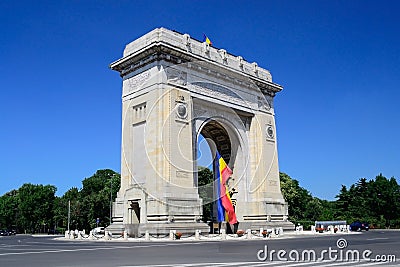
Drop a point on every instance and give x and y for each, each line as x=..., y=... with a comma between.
x=303, y=207
x=328, y=210
x=343, y=202
x=375, y=201
x=296, y=196
x=205, y=185
x=35, y=206
x=89, y=203
x=72, y=198
x=9, y=210
x=94, y=199
x=384, y=200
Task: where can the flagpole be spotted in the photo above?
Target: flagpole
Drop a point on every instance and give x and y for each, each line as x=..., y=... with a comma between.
x=215, y=197
x=69, y=213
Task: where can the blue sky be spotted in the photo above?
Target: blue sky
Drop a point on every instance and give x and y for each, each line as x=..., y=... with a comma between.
x=338, y=61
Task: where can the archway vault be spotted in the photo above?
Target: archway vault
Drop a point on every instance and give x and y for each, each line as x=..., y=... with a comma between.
x=214, y=132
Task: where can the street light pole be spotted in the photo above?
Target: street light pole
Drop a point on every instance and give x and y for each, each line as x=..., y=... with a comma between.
x=111, y=198
x=69, y=213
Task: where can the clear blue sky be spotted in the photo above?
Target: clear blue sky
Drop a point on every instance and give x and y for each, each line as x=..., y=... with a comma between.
x=339, y=62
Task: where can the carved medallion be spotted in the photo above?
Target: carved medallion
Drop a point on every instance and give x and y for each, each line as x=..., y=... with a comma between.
x=181, y=110
x=270, y=132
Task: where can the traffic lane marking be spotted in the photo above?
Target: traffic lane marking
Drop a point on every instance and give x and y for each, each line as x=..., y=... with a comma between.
x=94, y=248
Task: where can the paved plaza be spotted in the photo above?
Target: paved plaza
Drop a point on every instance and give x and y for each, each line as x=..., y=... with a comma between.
x=23, y=250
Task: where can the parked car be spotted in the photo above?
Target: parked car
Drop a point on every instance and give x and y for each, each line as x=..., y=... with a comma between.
x=4, y=232
x=53, y=232
x=98, y=230
x=359, y=226
x=12, y=232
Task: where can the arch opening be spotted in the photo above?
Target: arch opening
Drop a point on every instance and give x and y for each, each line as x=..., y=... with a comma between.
x=213, y=136
x=218, y=139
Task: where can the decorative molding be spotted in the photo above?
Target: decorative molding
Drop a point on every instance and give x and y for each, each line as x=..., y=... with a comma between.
x=255, y=67
x=240, y=62
x=182, y=174
x=246, y=121
x=270, y=100
x=206, y=47
x=273, y=183
x=179, y=77
x=263, y=103
x=186, y=39
x=163, y=44
x=138, y=80
x=198, y=112
x=176, y=76
x=219, y=92
x=222, y=53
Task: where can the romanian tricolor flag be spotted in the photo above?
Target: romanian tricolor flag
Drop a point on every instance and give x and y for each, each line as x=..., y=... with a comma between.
x=225, y=208
x=206, y=39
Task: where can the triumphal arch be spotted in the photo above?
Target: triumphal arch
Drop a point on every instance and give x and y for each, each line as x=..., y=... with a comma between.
x=176, y=88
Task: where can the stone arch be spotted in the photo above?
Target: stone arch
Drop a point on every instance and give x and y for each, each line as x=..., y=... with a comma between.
x=224, y=120
x=217, y=138
x=225, y=129
x=173, y=90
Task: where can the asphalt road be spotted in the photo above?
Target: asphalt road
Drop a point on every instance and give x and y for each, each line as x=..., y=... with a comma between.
x=25, y=250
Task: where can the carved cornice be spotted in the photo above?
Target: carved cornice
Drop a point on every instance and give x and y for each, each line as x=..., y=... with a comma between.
x=130, y=65
x=164, y=45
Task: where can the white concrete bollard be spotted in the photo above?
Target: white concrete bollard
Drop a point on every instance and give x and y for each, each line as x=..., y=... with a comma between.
x=313, y=228
x=107, y=235
x=172, y=234
x=273, y=233
x=269, y=232
x=197, y=235
x=223, y=234
x=125, y=235
x=66, y=235
x=147, y=235
x=91, y=235
x=248, y=231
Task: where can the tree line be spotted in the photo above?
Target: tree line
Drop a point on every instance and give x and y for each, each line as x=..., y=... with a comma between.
x=376, y=201
x=37, y=209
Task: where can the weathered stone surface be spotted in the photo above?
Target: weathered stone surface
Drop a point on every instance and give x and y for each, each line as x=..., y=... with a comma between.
x=174, y=89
